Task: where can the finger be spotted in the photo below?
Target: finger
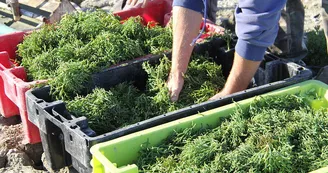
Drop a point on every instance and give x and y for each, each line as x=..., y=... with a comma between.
x=128, y=2
x=217, y=96
x=134, y=2
x=172, y=92
x=175, y=95
x=212, y=98
x=144, y=3
x=169, y=88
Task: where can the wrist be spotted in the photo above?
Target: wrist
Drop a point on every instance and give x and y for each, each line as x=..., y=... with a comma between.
x=177, y=74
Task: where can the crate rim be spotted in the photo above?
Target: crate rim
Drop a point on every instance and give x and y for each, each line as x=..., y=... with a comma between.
x=96, y=149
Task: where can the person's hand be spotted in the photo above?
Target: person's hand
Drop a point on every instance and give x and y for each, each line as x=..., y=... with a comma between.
x=219, y=95
x=175, y=83
x=134, y=2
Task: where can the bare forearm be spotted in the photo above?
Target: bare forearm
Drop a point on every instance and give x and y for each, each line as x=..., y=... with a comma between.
x=241, y=74
x=185, y=28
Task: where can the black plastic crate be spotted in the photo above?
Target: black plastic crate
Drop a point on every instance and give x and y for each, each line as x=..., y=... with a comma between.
x=66, y=139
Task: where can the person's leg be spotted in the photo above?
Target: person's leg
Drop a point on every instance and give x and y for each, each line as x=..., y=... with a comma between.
x=324, y=14
x=289, y=43
x=212, y=8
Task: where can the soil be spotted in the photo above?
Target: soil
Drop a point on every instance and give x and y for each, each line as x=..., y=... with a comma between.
x=18, y=157
x=15, y=156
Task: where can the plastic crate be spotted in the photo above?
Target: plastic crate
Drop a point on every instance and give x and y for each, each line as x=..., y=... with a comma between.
x=13, y=84
x=160, y=12
x=119, y=155
x=67, y=140
x=8, y=43
x=322, y=170
x=156, y=10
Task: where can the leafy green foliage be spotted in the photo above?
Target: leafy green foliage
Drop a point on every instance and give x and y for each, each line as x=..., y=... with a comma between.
x=317, y=55
x=83, y=43
x=274, y=134
x=228, y=37
x=202, y=80
x=105, y=110
x=109, y=49
x=157, y=42
x=70, y=79
x=38, y=42
x=86, y=26
x=95, y=39
x=124, y=104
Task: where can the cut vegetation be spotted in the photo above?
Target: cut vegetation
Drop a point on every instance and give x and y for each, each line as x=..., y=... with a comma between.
x=82, y=44
x=274, y=134
x=124, y=104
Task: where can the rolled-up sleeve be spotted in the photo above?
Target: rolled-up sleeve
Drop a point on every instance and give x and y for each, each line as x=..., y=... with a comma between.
x=257, y=26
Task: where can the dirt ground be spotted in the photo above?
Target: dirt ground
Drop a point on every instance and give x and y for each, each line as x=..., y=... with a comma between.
x=17, y=157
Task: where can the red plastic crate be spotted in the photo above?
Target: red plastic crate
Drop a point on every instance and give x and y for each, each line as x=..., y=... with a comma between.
x=158, y=11
x=8, y=43
x=13, y=82
x=14, y=86
x=7, y=107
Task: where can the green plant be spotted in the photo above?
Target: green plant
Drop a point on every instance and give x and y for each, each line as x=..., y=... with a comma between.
x=202, y=80
x=317, y=55
x=97, y=39
x=106, y=110
x=84, y=43
x=124, y=104
x=273, y=134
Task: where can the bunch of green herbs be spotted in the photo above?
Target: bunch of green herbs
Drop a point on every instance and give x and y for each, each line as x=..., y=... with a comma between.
x=124, y=104
x=274, y=134
x=317, y=48
x=91, y=40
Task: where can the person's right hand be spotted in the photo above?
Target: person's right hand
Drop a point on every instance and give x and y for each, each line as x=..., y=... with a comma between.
x=175, y=83
x=134, y=2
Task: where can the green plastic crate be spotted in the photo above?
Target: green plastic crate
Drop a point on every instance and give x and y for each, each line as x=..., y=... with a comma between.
x=118, y=155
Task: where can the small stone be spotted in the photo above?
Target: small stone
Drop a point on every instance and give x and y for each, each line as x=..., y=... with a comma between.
x=34, y=151
x=18, y=158
x=3, y=151
x=14, y=150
